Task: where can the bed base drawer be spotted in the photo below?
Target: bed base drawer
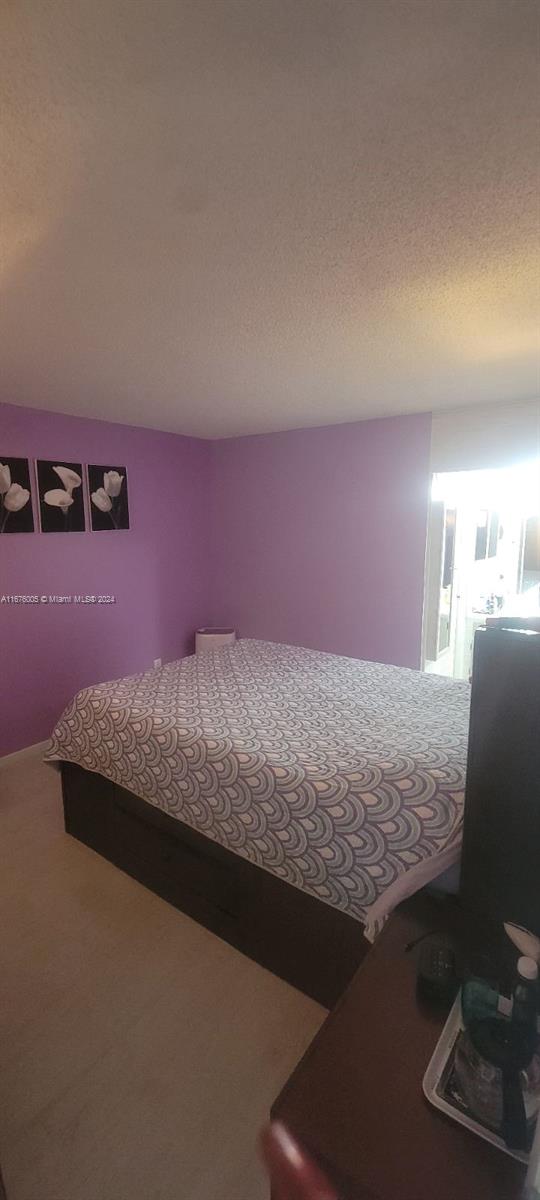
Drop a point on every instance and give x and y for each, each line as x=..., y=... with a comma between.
x=178, y=860
x=314, y=947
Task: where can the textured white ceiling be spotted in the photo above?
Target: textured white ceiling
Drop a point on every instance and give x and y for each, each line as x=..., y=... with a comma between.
x=226, y=216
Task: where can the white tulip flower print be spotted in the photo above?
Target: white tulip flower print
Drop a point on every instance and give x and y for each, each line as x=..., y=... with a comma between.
x=5, y=479
x=14, y=496
x=112, y=482
x=13, y=500
x=108, y=495
x=102, y=500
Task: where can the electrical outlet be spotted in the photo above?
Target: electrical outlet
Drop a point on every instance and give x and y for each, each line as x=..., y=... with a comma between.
x=157, y=662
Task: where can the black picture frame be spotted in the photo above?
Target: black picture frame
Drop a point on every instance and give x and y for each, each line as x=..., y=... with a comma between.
x=57, y=477
x=108, y=497
x=16, y=495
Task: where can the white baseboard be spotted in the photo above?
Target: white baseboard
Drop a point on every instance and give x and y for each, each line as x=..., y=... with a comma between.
x=9, y=760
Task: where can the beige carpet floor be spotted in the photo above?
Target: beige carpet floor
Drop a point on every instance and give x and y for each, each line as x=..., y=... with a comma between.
x=139, y=1054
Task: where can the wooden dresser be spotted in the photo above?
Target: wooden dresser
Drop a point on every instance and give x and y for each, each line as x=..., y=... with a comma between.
x=355, y=1100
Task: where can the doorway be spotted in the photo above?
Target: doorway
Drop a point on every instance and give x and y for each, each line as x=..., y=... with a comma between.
x=483, y=558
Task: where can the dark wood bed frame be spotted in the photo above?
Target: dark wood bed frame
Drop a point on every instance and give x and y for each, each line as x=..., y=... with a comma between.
x=313, y=946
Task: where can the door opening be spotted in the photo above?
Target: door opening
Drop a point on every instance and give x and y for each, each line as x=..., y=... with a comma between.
x=483, y=558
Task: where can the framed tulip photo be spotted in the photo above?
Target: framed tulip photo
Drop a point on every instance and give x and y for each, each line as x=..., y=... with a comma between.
x=61, y=504
x=108, y=490
x=16, y=515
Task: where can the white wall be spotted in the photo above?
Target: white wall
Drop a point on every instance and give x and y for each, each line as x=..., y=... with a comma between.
x=476, y=438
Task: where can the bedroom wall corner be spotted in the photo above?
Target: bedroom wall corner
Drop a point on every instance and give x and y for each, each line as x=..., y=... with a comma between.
x=319, y=535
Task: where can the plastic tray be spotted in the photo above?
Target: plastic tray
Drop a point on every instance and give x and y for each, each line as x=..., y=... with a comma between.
x=435, y=1076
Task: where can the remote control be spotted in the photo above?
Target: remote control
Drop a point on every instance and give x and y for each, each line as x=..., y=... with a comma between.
x=438, y=980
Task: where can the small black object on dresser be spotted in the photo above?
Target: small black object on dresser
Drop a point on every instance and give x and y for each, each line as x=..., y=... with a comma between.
x=437, y=980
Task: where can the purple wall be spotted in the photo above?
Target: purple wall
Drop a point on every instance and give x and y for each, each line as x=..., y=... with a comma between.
x=158, y=570
x=320, y=537
x=314, y=537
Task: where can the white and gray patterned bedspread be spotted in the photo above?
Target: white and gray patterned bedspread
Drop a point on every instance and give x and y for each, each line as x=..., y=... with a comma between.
x=344, y=778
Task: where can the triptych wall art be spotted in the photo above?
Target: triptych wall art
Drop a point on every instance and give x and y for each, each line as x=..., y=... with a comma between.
x=69, y=498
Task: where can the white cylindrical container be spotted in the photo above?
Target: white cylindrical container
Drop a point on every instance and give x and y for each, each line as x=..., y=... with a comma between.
x=211, y=639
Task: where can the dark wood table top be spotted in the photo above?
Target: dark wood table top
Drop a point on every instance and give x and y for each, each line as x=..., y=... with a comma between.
x=355, y=1100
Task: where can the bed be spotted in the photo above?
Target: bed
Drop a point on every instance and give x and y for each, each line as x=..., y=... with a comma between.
x=286, y=798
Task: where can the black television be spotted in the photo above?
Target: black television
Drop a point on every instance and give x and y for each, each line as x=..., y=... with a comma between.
x=500, y=869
